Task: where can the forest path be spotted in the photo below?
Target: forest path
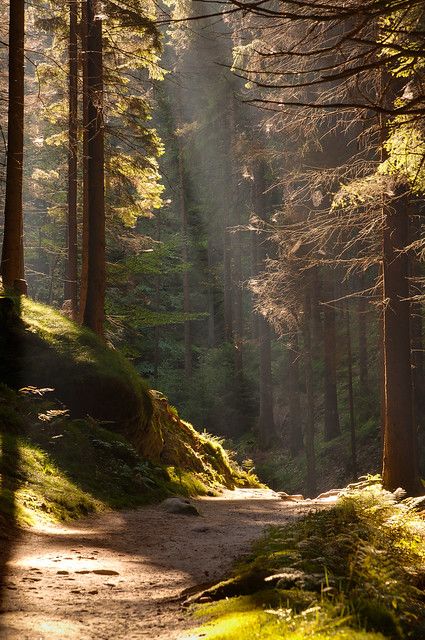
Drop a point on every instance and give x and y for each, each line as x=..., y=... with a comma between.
x=119, y=575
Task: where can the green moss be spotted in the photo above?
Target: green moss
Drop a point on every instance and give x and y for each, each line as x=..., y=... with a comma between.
x=44, y=349
x=171, y=441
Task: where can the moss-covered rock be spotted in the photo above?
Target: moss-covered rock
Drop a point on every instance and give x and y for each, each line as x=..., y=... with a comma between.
x=171, y=441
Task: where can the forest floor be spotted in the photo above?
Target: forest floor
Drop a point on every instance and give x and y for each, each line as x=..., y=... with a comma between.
x=123, y=575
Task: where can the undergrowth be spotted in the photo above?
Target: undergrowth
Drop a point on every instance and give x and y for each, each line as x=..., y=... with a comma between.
x=283, y=472
x=54, y=468
x=352, y=572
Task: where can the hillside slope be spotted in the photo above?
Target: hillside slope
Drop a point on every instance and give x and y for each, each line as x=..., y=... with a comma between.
x=80, y=431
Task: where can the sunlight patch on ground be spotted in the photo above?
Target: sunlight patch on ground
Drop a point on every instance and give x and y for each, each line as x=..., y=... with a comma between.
x=43, y=628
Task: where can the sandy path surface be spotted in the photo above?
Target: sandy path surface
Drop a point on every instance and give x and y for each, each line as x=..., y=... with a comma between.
x=120, y=575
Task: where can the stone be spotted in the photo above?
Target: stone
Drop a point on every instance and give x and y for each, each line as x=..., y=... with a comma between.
x=290, y=497
x=179, y=506
x=105, y=572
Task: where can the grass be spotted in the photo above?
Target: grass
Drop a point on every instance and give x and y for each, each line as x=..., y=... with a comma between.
x=355, y=571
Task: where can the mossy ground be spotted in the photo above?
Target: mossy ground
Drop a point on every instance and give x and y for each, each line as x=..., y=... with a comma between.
x=65, y=427
x=352, y=572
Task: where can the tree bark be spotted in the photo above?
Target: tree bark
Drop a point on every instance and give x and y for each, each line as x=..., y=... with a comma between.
x=363, y=354
x=185, y=259
x=295, y=425
x=265, y=425
x=210, y=295
x=94, y=311
x=85, y=208
x=353, y=438
x=12, y=259
x=332, y=426
x=309, y=427
x=71, y=268
x=400, y=461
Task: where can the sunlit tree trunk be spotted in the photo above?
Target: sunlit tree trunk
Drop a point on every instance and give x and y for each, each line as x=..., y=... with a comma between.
x=12, y=259
x=71, y=269
x=94, y=311
x=400, y=463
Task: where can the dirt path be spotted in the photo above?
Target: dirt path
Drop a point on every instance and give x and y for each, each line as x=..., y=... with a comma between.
x=119, y=575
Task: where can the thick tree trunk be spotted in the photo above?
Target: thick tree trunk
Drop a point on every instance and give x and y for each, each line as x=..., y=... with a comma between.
x=12, y=259
x=71, y=269
x=418, y=363
x=309, y=427
x=85, y=214
x=295, y=434
x=400, y=463
x=417, y=335
x=332, y=426
x=94, y=311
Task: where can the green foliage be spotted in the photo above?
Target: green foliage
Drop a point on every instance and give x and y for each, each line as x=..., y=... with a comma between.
x=405, y=147
x=350, y=572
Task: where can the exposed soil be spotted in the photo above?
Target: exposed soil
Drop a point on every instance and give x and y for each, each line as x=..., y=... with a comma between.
x=124, y=575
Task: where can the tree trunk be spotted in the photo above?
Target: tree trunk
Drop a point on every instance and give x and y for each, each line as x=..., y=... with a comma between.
x=85, y=215
x=71, y=269
x=211, y=296
x=12, y=259
x=227, y=285
x=266, y=426
x=157, y=336
x=295, y=426
x=363, y=355
x=332, y=426
x=353, y=439
x=185, y=259
x=238, y=304
x=400, y=462
x=417, y=335
x=309, y=427
x=94, y=311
